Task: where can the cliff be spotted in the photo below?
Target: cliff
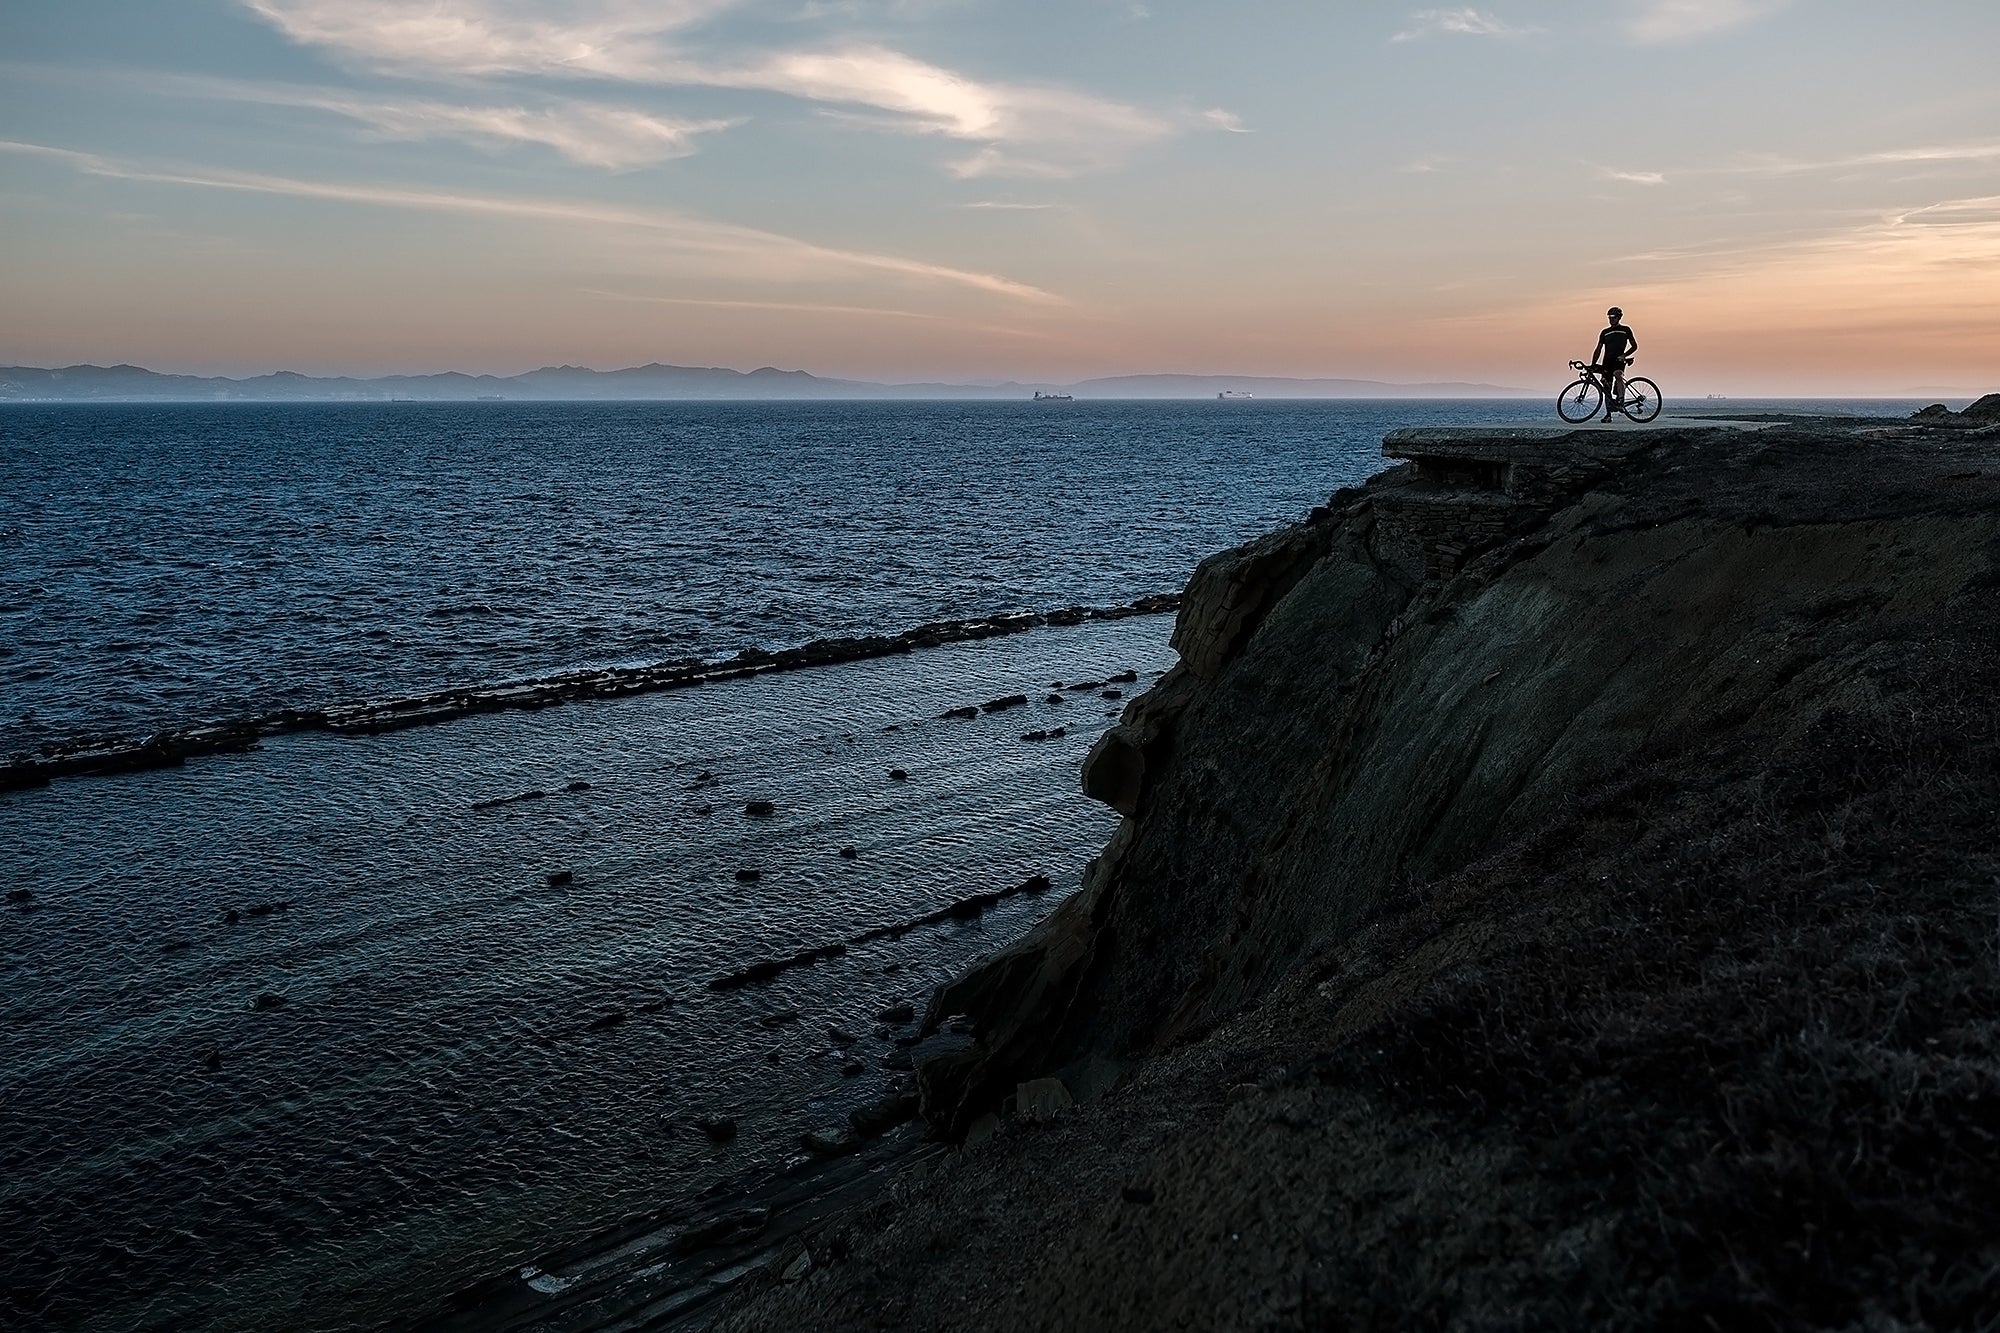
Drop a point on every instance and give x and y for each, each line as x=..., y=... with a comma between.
x=1556, y=886
x=1371, y=700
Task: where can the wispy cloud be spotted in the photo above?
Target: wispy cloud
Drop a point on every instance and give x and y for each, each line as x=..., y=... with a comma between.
x=599, y=136
x=1633, y=177
x=748, y=251
x=592, y=133
x=1921, y=155
x=1457, y=22
x=606, y=38
x=1662, y=21
x=1022, y=129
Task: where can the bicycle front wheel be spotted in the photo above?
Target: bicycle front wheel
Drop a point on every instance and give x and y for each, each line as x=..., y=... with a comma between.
x=1642, y=399
x=1580, y=401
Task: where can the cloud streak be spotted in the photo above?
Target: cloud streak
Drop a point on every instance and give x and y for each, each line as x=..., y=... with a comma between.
x=590, y=133
x=1457, y=23
x=1921, y=155
x=1659, y=22
x=747, y=250
x=1022, y=129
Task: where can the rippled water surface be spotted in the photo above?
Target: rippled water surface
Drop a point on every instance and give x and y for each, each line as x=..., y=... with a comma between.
x=434, y=1093
x=163, y=564
x=431, y=1102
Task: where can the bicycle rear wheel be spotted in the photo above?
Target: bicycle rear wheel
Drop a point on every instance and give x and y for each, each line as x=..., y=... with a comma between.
x=1642, y=399
x=1580, y=401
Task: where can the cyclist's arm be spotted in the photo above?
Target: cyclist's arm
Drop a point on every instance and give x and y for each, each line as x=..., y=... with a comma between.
x=1631, y=344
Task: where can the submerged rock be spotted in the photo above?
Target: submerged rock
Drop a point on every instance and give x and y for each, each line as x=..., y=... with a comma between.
x=720, y=1128
x=830, y=1141
x=730, y=1228
x=879, y=1117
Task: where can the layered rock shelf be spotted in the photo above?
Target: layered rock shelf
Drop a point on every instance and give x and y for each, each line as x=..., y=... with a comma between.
x=176, y=746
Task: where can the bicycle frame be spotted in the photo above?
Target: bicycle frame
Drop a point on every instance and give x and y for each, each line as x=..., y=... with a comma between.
x=1594, y=374
x=1640, y=408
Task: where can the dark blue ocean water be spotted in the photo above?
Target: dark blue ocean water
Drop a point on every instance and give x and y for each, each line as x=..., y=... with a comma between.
x=163, y=564
x=434, y=1103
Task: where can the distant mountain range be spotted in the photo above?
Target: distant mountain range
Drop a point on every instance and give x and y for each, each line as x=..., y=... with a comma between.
x=571, y=383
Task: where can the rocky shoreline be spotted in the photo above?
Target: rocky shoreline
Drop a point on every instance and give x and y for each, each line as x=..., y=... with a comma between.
x=1554, y=889
x=176, y=746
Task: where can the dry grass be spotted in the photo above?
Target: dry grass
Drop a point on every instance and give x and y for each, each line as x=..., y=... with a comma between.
x=1752, y=1050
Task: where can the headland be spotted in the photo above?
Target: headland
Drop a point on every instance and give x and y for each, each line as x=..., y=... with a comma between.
x=1555, y=888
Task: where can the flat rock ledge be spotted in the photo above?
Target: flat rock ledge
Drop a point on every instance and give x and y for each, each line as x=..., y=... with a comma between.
x=167, y=748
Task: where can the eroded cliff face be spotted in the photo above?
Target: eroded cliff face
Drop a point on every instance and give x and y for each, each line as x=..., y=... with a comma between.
x=1436, y=665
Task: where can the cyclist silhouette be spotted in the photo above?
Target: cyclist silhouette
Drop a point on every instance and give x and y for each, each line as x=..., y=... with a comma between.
x=1614, y=352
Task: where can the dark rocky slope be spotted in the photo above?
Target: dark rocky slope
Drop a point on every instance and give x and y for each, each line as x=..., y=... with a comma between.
x=1560, y=887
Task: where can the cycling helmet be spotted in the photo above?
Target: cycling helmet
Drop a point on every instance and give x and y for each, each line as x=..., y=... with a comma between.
x=1615, y=313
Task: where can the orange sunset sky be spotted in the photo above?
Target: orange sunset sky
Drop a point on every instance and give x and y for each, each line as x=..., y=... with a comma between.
x=1786, y=198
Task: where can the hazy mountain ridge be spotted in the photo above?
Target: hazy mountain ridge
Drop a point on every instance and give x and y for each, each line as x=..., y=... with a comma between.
x=127, y=383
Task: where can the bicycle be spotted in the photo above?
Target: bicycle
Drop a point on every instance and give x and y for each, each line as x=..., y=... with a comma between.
x=1583, y=399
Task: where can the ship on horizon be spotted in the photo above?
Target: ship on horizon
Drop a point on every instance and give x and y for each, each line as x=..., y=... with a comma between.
x=1041, y=397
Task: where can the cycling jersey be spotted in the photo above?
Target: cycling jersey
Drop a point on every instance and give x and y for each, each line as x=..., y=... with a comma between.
x=1614, y=344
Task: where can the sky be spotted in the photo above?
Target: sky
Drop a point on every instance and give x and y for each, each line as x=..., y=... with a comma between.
x=1785, y=196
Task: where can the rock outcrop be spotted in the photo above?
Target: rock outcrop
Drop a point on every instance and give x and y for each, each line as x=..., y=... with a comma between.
x=1434, y=666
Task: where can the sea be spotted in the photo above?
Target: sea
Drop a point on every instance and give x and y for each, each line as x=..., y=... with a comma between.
x=312, y=1036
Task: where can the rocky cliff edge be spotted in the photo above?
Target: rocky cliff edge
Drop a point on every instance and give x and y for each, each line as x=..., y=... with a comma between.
x=1555, y=888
